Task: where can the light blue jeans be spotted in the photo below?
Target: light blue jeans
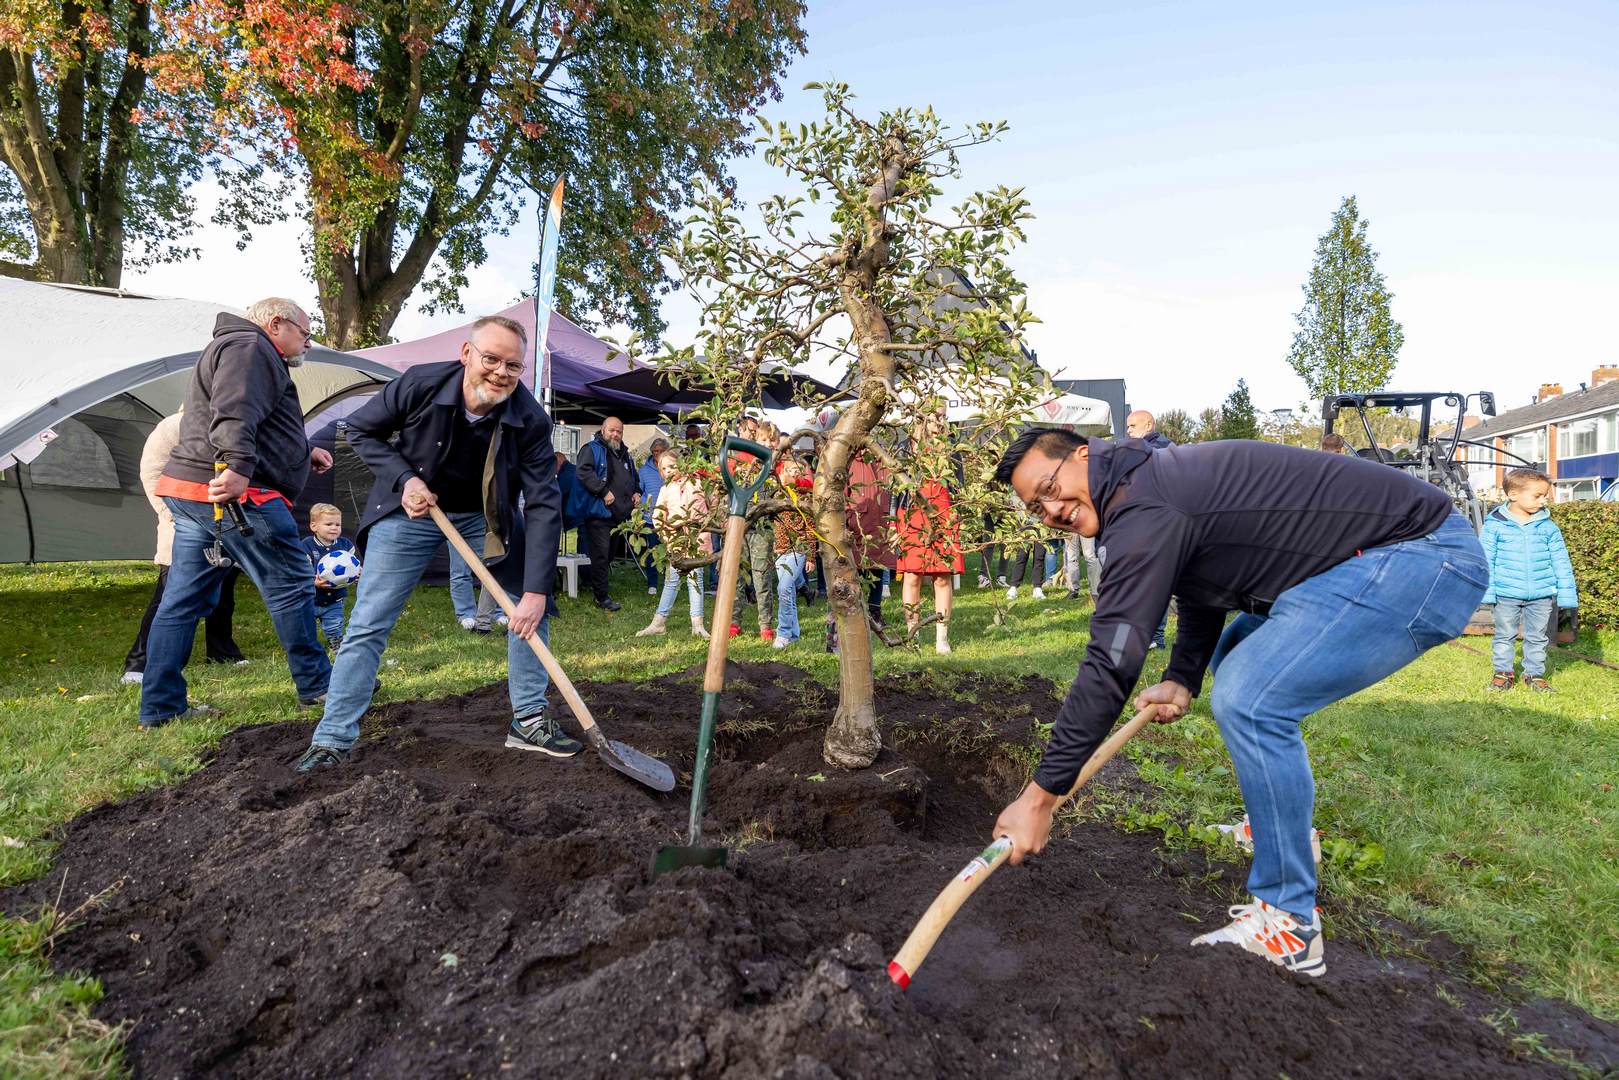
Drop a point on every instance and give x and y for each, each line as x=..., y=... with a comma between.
x=1536, y=617
x=397, y=552
x=789, y=569
x=1324, y=639
x=463, y=583
x=671, y=588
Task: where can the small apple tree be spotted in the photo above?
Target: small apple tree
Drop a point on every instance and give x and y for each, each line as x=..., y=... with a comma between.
x=917, y=306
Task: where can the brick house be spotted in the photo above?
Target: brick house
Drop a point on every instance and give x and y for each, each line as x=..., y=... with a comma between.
x=1573, y=438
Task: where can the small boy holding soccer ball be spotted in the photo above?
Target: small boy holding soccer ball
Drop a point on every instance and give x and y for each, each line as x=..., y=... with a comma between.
x=331, y=580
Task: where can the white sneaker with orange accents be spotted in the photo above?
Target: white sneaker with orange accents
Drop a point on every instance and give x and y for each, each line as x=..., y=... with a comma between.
x=1274, y=934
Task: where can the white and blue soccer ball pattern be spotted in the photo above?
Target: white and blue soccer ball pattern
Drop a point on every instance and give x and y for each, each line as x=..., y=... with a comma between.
x=338, y=568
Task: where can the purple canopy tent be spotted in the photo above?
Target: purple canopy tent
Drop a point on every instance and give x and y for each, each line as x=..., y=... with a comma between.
x=577, y=360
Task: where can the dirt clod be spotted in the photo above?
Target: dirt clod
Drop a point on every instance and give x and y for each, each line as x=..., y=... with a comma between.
x=447, y=907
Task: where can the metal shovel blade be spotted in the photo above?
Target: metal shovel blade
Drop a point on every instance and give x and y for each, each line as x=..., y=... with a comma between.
x=632, y=762
x=675, y=857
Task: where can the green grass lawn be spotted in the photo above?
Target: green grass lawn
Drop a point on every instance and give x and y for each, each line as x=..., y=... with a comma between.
x=1490, y=817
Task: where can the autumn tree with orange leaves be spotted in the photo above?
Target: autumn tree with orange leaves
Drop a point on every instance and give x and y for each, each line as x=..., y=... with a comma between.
x=405, y=132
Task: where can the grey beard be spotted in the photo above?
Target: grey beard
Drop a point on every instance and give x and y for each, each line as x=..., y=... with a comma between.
x=486, y=397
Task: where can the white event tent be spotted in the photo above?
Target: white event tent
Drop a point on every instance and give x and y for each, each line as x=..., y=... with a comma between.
x=85, y=374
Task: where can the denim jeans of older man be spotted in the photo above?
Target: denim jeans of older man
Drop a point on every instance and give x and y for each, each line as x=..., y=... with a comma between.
x=273, y=557
x=1324, y=639
x=397, y=552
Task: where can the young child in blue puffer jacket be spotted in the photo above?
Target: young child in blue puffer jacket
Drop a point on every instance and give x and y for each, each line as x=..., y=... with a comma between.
x=1530, y=577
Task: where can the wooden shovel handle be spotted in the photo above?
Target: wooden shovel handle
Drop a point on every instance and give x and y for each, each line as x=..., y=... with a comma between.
x=949, y=901
x=719, y=635
x=581, y=712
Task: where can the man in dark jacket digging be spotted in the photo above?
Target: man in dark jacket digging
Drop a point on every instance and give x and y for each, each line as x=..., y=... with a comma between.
x=241, y=410
x=470, y=440
x=1342, y=571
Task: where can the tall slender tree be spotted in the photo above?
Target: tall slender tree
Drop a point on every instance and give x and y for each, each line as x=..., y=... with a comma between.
x=1347, y=340
x=1238, y=419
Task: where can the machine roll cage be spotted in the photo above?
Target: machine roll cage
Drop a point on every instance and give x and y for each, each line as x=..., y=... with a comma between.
x=1433, y=460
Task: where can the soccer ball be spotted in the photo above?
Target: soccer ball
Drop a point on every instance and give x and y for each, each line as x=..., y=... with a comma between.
x=338, y=568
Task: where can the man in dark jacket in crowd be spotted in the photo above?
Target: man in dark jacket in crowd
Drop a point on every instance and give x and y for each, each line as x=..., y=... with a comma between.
x=242, y=410
x=1343, y=571
x=470, y=440
x=608, y=474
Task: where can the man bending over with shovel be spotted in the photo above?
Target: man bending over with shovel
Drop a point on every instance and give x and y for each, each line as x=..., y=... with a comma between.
x=471, y=438
x=1342, y=571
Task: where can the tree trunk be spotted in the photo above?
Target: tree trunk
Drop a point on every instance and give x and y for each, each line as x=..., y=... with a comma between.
x=852, y=741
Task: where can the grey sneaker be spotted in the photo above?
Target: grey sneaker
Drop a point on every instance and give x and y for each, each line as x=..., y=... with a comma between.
x=322, y=757
x=132, y=678
x=198, y=711
x=540, y=732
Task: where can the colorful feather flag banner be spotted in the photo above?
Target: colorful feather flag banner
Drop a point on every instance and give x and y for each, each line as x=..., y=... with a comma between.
x=544, y=298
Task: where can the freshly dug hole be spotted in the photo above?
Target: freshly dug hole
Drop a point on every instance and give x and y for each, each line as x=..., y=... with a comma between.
x=447, y=907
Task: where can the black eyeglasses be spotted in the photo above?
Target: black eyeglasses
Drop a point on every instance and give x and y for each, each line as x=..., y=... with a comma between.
x=1046, y=490
x=301, y=330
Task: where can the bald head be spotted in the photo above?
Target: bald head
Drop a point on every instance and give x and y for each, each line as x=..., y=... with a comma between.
x=1140, y=424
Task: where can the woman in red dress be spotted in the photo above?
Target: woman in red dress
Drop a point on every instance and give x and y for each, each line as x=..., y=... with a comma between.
x=930, y=547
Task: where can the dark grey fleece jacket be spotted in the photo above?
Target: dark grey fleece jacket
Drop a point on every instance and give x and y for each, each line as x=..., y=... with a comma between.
x=1222, y=526
x=243, y=408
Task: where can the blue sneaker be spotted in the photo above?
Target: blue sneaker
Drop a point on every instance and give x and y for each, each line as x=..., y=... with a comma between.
x=1274, y=934
x=541, y=732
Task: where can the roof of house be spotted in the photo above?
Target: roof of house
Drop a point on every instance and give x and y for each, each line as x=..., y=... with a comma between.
x=1544, y=412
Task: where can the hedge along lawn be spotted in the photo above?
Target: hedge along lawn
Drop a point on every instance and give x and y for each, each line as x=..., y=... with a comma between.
x=1490, y=817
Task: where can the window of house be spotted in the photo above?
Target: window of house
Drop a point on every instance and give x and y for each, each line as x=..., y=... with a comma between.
x=1529, y=445
x=1608, y=433
x=1576, y=490
x=1576, y=438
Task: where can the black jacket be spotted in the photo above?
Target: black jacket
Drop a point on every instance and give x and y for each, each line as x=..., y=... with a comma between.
x=1222, y=526
x=622, y=479
x=405, y=431
x=1157, y=440
x=241, y=406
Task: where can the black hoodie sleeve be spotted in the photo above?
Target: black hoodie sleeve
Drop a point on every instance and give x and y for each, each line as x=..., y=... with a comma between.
x=1198, y=630
x=1144, y=550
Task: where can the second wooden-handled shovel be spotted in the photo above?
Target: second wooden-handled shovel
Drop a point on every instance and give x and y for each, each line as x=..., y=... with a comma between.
x=626, y=759
x=693, y=853
x=944, y=907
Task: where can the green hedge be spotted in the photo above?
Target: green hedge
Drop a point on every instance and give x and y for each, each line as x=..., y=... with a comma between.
x=1591, y=530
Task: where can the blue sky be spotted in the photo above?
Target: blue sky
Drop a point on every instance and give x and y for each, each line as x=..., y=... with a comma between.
x=1182, y=160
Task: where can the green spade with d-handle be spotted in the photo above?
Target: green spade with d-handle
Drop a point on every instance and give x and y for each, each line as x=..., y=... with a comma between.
x=693, y=853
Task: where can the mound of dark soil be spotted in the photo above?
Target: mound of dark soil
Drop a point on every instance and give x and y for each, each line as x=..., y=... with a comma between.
x=447, y=907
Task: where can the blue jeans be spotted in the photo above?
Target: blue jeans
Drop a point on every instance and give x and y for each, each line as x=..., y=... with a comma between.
x=330, y=618
x=1324, y=639
x=273, y=557
x=397, y=552
x=1536, y=616
x=789, y=568
x=671, y=588
x=463, y=583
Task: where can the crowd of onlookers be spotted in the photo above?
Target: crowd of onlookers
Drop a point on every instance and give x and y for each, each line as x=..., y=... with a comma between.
x=616, y=506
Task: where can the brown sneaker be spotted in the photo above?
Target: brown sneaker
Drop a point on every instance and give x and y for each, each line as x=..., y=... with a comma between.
x=1502, y=681
x=1538, y=684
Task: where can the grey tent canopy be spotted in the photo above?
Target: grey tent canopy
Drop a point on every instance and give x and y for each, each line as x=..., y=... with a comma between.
x=84, y=377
